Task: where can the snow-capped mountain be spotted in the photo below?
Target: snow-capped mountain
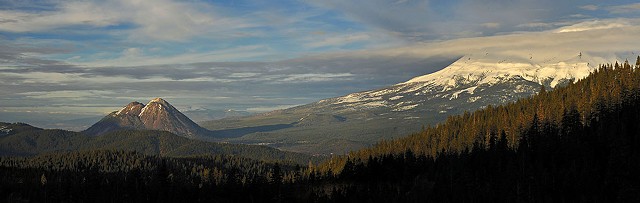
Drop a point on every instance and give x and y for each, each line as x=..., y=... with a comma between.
x=471, y=79
x=359, y=119
x=158, y=114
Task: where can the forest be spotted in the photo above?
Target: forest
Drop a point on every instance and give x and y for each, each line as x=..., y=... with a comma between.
x=578, y=143
x=26, y=140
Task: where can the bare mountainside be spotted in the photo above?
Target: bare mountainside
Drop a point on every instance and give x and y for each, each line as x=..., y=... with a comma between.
x=353, y=121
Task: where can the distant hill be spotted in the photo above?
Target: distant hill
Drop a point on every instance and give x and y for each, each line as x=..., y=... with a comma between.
x=23, y=140
x=203, y=114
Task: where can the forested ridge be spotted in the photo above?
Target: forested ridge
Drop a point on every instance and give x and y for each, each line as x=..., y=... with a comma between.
x=25, y=140
x=579, y=143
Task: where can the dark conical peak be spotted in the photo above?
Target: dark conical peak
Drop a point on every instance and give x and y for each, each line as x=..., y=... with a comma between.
x=133, y=108
x=158, y=114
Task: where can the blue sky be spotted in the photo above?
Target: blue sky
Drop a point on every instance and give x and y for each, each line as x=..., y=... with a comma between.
x=75, y=59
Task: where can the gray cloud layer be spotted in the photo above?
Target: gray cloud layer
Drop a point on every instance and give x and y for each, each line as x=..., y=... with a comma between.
x=47, y=84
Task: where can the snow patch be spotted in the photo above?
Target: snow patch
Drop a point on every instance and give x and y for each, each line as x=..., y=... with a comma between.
x=143, y=110
x=469, y=90
x=404, y=108
x=5, y=130
x=121, y=110
x=473, y=99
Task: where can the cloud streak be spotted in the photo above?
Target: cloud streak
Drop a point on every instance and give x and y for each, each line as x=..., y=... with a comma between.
x=622, y=9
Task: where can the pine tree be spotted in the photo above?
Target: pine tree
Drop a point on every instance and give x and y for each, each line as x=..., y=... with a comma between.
x=43, y=180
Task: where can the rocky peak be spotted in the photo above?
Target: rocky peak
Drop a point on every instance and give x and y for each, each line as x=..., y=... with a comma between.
x=159, y=101
x=133, y=108
x=157, y=106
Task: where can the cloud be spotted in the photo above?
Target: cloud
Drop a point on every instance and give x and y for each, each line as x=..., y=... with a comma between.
x=341, y=40
x=132, y=52
x=423, y=20
x=629, y=8
x=491, y=25
x=589, y=7
x=68, y=14
x=315, y=77
x=158, y=19
x=596, y=25
x=66, y=94
x=136, y=57
x=536, y=25
x=604, y=40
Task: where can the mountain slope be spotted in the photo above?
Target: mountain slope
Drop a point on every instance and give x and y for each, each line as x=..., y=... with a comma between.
x=472, y=82
x=158, y=114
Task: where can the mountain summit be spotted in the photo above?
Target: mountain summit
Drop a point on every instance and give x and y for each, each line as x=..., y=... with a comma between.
x=158, y=114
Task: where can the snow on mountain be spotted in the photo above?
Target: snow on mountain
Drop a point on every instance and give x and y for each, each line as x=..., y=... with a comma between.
x=133, y=108
x=5, y=130
x=488, y=70
x=469, y=78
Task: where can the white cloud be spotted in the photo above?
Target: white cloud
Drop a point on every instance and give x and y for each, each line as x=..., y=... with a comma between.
x=594, y=25
x=536, y=25
x=578, y=16
x=589, y=7
x=603, y=39
x=491, y=25
x=132, y=52
x=339, y=40
x=315, y=77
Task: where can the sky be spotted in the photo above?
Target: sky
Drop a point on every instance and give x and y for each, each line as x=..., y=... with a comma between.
x=63, y=61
